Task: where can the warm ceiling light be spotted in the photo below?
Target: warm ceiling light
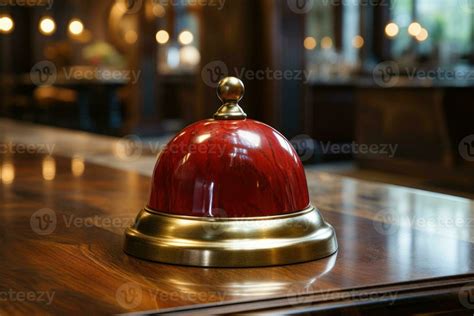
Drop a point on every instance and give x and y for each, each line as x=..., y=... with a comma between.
x=77, y=166
x=47, y=26
x=7, y=173
x=159, y=10
x=186, y=37
x=358, y=41
x=392, y=29
x=130, y=36
x=162, y=37
x=49, y=168
x=422, y=35
x=326, y=42
x=414, y=29
x=189, y=55
x=76, y=27
x=310, y=43
x=6, y=24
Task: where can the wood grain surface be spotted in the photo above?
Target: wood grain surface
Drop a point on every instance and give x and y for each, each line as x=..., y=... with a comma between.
x=61, y=233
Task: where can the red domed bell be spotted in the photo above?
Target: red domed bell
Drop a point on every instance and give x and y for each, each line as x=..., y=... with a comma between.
x=229, y=191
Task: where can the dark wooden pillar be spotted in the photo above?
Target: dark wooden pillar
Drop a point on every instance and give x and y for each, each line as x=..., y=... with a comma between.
x=249, y=38
x=144, y=107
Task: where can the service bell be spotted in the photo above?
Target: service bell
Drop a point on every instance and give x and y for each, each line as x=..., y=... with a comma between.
x=229, y=192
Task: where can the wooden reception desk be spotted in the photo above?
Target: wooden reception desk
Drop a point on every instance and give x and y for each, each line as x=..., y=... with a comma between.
x=62, y=218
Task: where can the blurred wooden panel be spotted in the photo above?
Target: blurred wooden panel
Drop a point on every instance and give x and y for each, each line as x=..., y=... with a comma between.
x=254, y=35
x=427, y=125
x=411, y=118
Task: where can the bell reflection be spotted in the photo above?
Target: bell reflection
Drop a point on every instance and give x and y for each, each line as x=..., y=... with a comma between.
x=49, y=168
x=258, y=282
x=7, y=173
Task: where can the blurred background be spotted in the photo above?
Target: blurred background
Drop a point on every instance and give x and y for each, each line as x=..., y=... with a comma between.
x=378, y=89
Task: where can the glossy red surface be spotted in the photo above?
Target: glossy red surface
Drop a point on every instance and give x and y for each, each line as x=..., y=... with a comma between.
x=229, y=168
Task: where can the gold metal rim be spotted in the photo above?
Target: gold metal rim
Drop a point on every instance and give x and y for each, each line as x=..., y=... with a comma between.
x=243, y=242
x=224, y=219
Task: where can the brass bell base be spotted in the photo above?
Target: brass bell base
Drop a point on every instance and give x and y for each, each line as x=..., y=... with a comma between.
x=230, y=242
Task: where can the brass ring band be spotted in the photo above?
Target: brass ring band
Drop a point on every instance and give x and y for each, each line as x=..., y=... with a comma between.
x=244, y=242
x=224, y=219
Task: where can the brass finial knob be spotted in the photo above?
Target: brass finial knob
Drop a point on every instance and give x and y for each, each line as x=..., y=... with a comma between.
x=230, y=91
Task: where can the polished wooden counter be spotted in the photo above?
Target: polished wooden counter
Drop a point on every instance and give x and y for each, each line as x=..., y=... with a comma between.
x=61, y=231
